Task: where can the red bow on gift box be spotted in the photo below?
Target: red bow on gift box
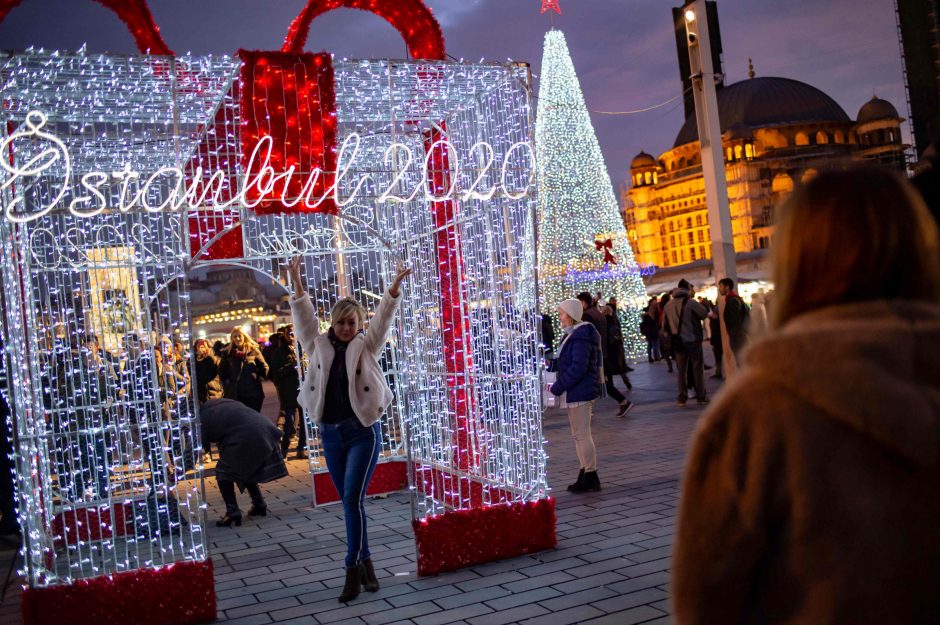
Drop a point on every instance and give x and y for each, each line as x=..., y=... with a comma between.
x=606, y=245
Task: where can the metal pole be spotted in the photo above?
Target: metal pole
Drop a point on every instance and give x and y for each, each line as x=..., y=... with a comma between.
x=709, y=133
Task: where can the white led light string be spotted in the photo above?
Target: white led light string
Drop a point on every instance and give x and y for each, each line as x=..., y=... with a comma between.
x=111, y=111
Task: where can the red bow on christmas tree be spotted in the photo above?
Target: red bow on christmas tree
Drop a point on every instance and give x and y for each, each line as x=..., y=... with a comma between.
x=606, y=245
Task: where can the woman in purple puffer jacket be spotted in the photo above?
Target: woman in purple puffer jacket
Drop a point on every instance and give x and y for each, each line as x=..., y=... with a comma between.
x=578, y=366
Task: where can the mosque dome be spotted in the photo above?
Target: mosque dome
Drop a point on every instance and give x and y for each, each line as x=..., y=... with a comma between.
x=643, y=160
x=875, y=109
x=768, y=101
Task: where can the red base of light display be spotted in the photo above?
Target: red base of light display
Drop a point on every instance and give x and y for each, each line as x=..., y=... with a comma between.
x=178, y=594
x=462, y=538
x=388, y=477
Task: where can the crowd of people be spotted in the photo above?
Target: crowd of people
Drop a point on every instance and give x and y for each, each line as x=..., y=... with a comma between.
x=810, y=489
x=819, y=458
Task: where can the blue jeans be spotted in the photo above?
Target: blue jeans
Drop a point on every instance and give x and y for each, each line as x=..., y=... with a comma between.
x=351, y=453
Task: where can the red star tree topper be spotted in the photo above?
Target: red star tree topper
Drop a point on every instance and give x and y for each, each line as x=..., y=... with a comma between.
x=551, y=5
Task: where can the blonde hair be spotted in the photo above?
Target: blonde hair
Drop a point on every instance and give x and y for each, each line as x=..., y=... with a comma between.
x=348, y=307
x=250, y=343
x=859, y=234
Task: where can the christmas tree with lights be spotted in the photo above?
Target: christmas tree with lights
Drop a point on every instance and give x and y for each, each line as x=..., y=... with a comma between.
x=582, y=243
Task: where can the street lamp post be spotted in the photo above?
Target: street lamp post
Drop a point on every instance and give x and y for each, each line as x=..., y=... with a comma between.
x=709, y=133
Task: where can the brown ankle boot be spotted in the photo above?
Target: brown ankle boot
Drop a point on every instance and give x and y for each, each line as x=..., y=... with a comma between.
x=351, y=588
x=369, y=581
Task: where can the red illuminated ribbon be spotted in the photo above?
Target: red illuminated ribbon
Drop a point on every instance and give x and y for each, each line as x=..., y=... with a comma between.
x=606, y=245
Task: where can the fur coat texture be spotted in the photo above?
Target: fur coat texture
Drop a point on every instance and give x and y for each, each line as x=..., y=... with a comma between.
x=369, y=393
x=812, y=490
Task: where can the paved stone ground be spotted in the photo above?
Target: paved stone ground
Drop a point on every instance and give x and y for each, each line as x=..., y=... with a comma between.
x=611, y=564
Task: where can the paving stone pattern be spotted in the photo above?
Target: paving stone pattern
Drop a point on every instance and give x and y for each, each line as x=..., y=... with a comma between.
x=611, y=564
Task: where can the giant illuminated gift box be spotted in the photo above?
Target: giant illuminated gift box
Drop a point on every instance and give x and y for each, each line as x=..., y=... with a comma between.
x=179, y=164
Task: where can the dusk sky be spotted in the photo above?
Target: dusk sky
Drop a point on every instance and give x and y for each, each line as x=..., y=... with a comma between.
x=623, y=50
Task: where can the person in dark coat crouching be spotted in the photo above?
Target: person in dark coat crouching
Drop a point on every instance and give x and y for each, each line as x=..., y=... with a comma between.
x=579, y=379
x=249, y=454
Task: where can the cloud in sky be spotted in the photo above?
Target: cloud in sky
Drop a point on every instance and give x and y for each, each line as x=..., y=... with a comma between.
x=623, y=50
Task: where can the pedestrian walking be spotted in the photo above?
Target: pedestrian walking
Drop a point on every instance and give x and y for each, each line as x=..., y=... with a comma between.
x=733, y=317
x=811, y=496
x=616, y=362
x=665, y=345
x=615, y=320
x=650, y=331
x=242, y=368
x=249, y=454
x=286, y=379
x=345, y=391
x=684, y=316
x=578, y=381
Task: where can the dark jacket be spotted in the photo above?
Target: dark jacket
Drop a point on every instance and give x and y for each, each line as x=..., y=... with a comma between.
x=736, y=318
x=597, y=319
x=616, y=361
x=241, y=377
x=548, y=333
x=648, y=327
x=208, y=383
x=249, y=444
x=578, y=365
x=283, y=362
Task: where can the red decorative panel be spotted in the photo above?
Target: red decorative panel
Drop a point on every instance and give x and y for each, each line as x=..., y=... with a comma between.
x=291, y=98
x=462, y=538
x=178, y=594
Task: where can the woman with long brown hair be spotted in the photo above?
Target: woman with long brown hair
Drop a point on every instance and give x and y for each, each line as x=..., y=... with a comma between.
x=811, y=490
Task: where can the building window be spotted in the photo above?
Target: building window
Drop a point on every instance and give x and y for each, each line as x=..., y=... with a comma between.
x=672, y=240
x=662, y=229
x=737, y=152
x=698, y=220
x=672, y=227
x=782, y=183
x=682, y=255
x=682, y=162
x=730, y=154
x=692, y=254
x=808, y=175
x=839, y=137
x=701, y=236
x=822, y=138
x=691, y=237
x=688, y=222
x=749, y=150
x=649, y=177
x=802, y=138
x=701, y=251
x=675, y=258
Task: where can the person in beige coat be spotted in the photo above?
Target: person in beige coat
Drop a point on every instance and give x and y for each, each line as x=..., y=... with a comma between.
x=345, y=392
x=812, y=490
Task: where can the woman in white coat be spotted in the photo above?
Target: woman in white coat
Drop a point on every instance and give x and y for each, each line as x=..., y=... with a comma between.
x=345, y=392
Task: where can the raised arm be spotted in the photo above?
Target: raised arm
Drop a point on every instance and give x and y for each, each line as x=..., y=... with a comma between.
x=381, y=323
x=306, y=324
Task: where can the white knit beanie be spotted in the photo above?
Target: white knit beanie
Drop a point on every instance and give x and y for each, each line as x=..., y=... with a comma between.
x=572, y=308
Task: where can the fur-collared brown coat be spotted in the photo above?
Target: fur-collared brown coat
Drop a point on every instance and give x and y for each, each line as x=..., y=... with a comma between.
x=812, y=491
